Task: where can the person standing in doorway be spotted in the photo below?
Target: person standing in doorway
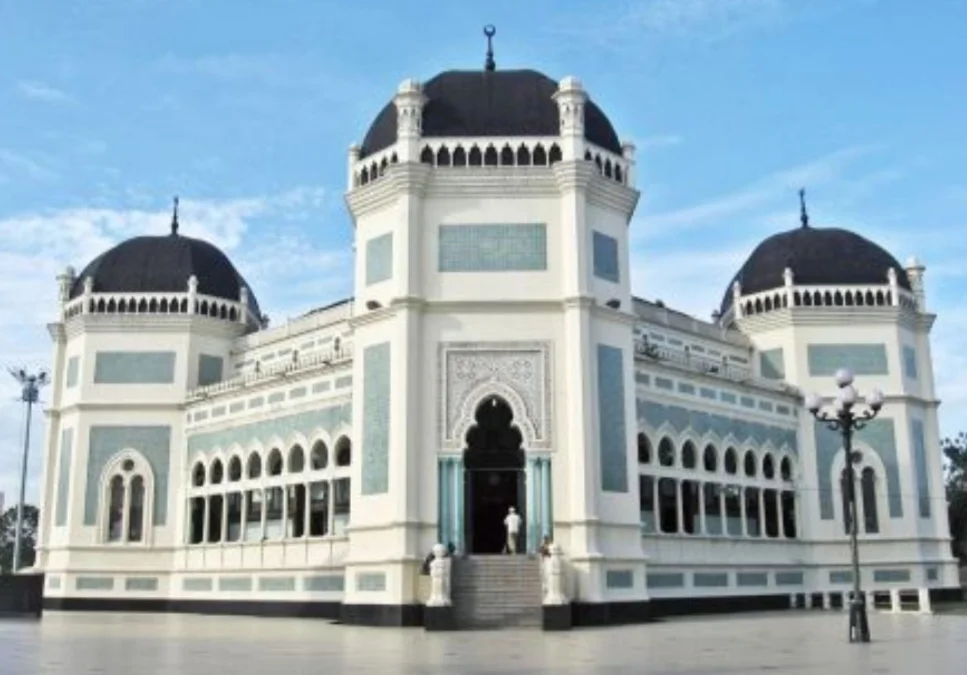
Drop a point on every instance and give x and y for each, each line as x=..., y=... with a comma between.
x=512, y=523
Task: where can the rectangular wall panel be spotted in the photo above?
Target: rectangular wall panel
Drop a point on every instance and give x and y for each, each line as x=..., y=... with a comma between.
x=493, y=248
x=134, y=368
x=862, y=359
x=611, y=420
x=376, y=419
x=379, y=259
x=64, y=476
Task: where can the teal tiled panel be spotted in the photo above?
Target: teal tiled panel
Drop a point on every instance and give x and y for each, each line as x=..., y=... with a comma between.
x=209, y=369
x=708, y=393
x=789, y=578
x=681, y=419
x=611, y=419
x=710, y=579
x=619, y=579
x=73, y=371
x=276, y=397
x=747, y=402
x=665, y=580
x=343, y=382
x=920, y=462
x=154, y=444
x=772, y=365
x=664, y=383
x=891, y=576
x=878, y=434
x=198, y=584
x=373, y=582
x=686, y=388
x=862, y=359
x=379, y=259
x=605, y=257
x=493, y=248
x=235, y=584
x=238, y=406
x=376, y=419
x=94, y=583
x=840, y=577
x=298, y=392
x=134, y=368
x=325, y=583
x=933, y=574
x=642, y=378
x=63, y=477
x=752, y=579
x=276, y=584
x=910, y=362
x=141, y=584
x=728, y=397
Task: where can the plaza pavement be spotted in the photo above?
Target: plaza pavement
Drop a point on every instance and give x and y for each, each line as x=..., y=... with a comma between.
x=789, y=643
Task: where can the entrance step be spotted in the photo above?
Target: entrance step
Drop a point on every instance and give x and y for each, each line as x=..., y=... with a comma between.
x=496, y=591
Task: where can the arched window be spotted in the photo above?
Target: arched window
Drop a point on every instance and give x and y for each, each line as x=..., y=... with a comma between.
x=126, y=502
x=273, y=465
x=768, y=467
x=785, y=469
x=319, y=457
x=710, y=458
x=115, y=513
x=254, y=465
x=644, y=449
x=136, y=513
x=666, y=453
x=688, y=455
x=198, y=475
x=297, y=459
x=217, y=472
x=731, y=461
x=750, y=464
x=234, y=469
x=344, y=452
x=871, y=521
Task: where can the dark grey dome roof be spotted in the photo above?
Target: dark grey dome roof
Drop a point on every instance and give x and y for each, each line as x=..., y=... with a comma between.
x=817, y=256
x=490, y=103
x=162, y=265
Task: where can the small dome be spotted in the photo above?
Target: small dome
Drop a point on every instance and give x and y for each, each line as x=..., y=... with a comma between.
x=465, y=103
x=816, y=256
x=163, y=265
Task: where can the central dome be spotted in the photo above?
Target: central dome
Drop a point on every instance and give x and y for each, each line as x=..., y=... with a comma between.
x=496, y=103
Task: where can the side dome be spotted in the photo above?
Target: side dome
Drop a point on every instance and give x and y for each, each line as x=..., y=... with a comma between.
x=163, y=264
x=816, y=256
x=463, y=103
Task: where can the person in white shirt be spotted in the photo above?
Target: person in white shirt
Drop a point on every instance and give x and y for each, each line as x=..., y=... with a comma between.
x=512, y=523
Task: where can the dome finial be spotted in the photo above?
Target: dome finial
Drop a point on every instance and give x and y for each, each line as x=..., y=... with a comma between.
x=803, y=215
x=489, y=64
x=174, y=217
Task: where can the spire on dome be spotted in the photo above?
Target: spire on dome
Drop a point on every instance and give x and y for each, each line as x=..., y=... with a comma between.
x=174, y=217
x=803, y=216
x=489, y=64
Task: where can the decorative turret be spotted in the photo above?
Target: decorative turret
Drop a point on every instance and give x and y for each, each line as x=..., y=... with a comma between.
x=570, y=99
x=915, y=270
x=409, y=102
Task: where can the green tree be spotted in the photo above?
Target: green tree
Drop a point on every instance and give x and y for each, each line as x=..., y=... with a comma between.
x=955, y=450
x=28, y=540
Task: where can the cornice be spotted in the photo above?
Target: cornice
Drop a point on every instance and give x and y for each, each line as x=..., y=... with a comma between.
x=792, y=317
x=578, y=302
x=575, y=174
x=613, y=315
x=153, y=323
x=57, y=332
x=399, y=179
x=120, y=406
x=612, y=195
x=289, y=377
x=492, y=181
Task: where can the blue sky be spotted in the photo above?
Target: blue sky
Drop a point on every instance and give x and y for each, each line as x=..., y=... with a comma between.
x=246, y=109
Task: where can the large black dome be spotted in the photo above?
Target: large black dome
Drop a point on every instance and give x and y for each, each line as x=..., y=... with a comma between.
x=816, y=256
x=162, y=265
x=490, y=103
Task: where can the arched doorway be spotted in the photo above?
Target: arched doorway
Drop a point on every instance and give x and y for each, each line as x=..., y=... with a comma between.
x=493, y=477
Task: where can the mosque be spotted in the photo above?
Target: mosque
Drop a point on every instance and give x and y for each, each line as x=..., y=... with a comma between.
x=198, y=459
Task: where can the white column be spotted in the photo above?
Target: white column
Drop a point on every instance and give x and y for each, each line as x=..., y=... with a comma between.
x=895, y=600
x=701, y=508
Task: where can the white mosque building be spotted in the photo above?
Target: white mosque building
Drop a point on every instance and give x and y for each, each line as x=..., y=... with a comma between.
x=492, y=355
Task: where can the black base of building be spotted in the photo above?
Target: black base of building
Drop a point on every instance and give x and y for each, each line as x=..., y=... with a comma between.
x=585, y=614
x=22, y=595
x=557, y=617
x=313, y=610
x=954, y=594
x=382, y=615
x=722, y=604
x=439, y=619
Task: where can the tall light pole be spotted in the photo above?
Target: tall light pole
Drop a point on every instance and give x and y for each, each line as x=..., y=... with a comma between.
x=30, y=385
x=845, y=420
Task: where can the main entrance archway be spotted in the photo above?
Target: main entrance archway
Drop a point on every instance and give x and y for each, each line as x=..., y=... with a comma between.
x=493, y=478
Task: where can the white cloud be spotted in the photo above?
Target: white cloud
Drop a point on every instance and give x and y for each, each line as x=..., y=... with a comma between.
x=688, y=17
x=39, y=91
x=289, y=272
x=21, y=165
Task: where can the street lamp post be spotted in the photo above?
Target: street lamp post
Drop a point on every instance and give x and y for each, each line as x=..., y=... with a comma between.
x=845, y=420
x=30, y=385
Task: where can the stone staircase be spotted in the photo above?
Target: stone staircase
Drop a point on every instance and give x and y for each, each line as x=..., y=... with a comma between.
x=496, y=591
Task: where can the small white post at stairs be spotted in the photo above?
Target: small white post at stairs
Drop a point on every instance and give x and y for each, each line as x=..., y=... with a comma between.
x=553, y=570
x=439, y=578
